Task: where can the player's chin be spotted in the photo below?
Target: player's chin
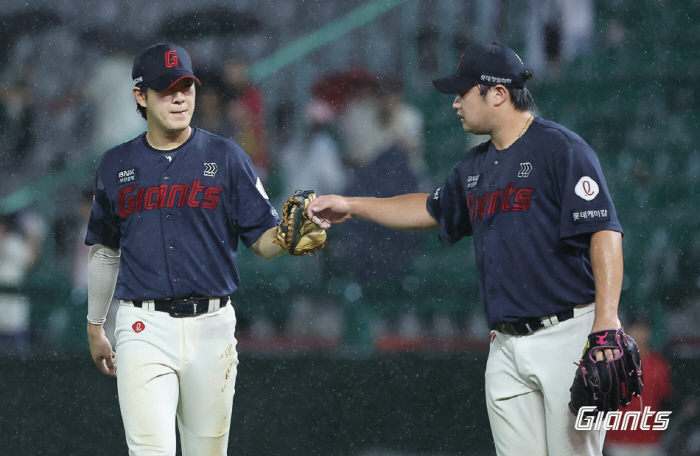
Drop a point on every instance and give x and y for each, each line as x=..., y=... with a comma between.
x=179, y=122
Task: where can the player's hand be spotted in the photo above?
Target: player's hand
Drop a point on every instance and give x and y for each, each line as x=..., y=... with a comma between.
x=600, y=324
x=328, y=210
x=101, y=350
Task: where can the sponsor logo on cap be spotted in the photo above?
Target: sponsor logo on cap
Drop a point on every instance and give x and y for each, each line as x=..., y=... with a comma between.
x=495, y=80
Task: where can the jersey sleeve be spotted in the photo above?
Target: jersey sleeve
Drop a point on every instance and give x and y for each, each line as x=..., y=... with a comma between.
x=449, y=208
x=586, y=205
x=103, y=227
x=255, y=212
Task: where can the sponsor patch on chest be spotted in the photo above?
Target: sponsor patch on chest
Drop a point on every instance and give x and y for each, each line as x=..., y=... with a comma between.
x=128, y=175
x=210, y=169
x=473, y=181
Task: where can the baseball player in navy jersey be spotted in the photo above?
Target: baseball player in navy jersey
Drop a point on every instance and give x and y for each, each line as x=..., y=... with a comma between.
x=547, y=243
x=169, y=209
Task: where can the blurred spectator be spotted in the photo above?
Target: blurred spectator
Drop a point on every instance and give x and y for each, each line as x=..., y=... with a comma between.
x=18, y=117
x=401, y=125
x=68, y=316
x=108, y=91
x=312, y=158
x=244, y=110
x=558, y=30
x=386, y=254
x=377, y=118
x=359, y=122
x=15, y=259
x=284, y=125
x=339, y=88
x=209, y=112
x=683, y=434
x=62, y=129
x=33, y=227
x=657, y=390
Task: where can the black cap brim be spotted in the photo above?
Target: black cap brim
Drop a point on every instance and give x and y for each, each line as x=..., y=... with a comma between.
x=452, y=84
x=165, y=82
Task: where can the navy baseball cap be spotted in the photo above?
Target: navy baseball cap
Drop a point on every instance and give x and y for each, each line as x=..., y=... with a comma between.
x=160, y=66
x=488, y=64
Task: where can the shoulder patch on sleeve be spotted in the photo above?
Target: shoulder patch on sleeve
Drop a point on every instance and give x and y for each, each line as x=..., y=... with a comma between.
x=587, y=188
x=261, y=189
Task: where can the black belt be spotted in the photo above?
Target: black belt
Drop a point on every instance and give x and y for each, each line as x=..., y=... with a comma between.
x=187, y=307
x=530, y=325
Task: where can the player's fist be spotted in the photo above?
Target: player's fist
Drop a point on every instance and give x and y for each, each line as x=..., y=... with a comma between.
x=328, y=210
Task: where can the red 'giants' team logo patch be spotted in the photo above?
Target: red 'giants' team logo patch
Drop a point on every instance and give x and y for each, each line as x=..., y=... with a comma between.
x=138, y=326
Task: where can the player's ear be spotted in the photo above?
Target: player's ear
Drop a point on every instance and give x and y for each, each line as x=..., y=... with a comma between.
x=140, y=96
x=500, y=94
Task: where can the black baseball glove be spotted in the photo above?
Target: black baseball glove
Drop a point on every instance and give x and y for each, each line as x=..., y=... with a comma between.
x=609, y=384
x=297, y=234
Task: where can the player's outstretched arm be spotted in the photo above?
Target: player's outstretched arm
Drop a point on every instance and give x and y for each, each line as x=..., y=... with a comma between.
x=404, y=212
x=607, y=265
x=265, y=248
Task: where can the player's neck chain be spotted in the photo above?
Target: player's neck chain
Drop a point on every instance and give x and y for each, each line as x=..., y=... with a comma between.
x=527, y=124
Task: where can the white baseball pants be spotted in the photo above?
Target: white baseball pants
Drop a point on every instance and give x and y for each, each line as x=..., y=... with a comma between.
x=527, y=391
x=175, y=367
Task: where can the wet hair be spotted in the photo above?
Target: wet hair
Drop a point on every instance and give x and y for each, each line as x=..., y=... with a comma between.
x=520, y=98
x=140, y=109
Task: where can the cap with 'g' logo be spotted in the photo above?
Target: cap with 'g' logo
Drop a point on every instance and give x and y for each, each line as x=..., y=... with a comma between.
x=162, y=65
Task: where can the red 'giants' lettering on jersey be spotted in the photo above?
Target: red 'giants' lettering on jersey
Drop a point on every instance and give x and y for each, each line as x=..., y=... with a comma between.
x=181, y=195
x=505, y=200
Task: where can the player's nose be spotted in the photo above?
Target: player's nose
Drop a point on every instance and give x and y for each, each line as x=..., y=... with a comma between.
x=178, y=96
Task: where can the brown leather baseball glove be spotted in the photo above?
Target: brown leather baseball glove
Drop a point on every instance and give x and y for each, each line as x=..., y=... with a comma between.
x=297, y=234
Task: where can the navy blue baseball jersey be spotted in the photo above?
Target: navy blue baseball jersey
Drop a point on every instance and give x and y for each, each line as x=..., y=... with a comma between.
x=177, y=216
x=531, y=210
